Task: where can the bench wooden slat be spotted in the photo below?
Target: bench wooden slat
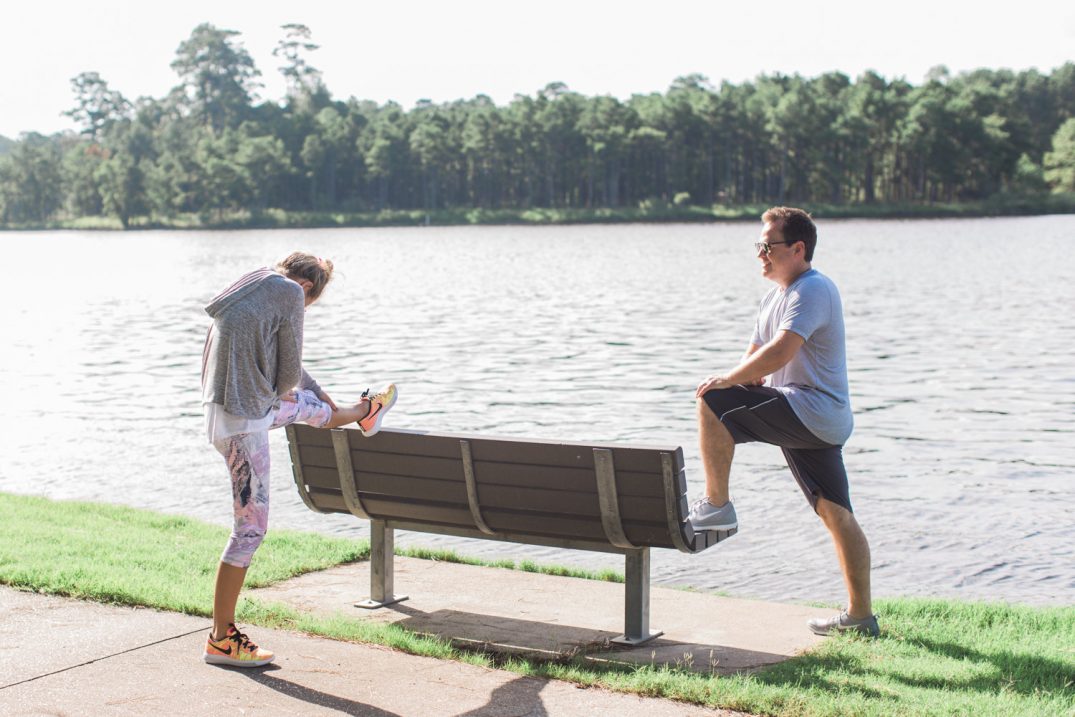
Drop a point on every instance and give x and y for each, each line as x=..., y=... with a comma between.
x=527, y=451
x=317, y=456
x=486, y=473
x=508, y=521
x=514, y=521
x=566, y=527
x=571, y=479
x=576, y=503
x=492, y=497
x=316, y=477
x=407, y=443
x=411, y=488
x=564, y=455
x=654, y=535
x=404, y=465
x=328, y=501
x=310, y=436
x=387, y=509
x=544, y=524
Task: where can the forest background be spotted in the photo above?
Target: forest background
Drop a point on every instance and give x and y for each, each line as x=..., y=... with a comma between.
x=986, y=141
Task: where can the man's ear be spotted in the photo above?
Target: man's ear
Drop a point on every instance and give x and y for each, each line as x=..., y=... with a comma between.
x=306, y=285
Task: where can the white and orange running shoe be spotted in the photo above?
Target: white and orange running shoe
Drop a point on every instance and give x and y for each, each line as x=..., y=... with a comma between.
x=235, y=649
x=379, y=405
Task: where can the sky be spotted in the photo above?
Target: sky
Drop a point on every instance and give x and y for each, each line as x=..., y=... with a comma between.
x=442, y=51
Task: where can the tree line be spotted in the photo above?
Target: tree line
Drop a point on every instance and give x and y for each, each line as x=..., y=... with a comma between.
x=210, y=147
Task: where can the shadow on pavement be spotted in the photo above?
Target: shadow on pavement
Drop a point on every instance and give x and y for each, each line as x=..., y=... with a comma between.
x=543, y=640
x=305, y=694
x=521, y=696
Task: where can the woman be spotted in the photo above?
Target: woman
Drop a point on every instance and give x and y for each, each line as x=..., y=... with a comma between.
x=253, y=381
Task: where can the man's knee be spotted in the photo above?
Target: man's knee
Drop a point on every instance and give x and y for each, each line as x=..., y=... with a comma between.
x=835, y=516
x=710, y=424
x=705, y=413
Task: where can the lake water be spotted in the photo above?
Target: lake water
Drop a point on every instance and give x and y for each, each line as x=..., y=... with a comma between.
x=960, y=336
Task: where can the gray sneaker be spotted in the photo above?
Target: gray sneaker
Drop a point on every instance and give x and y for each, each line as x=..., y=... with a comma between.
x=706, y=516
x=844, y=623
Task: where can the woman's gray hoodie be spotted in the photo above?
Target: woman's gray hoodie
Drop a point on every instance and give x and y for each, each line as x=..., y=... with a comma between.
x=253, y=352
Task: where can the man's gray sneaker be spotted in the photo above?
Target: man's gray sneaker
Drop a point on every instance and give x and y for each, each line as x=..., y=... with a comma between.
x=844, y=623
x=706, y=516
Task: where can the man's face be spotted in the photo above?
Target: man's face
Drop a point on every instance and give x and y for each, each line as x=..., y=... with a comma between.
x=783, y=262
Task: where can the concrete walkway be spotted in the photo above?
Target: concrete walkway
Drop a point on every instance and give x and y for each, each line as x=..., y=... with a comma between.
x=68, y=657
x=547, y=615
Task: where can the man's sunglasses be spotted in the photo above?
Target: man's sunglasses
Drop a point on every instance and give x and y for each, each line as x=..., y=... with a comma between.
x=767, y=246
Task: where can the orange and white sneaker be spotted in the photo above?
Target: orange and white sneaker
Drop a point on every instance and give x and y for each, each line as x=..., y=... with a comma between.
x=379, y=405
x=236, y=650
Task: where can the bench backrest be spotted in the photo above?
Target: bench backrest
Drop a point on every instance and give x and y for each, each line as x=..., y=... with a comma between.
x=597, y=497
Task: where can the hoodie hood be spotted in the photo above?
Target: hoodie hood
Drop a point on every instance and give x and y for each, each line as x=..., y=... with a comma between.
x=242, y=287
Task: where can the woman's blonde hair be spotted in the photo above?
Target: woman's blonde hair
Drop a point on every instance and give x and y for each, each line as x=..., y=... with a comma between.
x=300, y=265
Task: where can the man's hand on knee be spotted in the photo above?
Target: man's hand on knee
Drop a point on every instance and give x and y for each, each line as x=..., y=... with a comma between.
x=715, y=381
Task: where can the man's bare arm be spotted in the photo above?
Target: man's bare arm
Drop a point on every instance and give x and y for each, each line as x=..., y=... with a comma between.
x=759, y=362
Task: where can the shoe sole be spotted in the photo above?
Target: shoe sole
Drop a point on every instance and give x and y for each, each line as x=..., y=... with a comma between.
x=232, y=662
x=727, y=526
x=379, y=417
x=827, y=631
x=733, y=526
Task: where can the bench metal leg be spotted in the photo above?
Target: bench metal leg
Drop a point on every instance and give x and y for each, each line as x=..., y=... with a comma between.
x=636, y=600
x=382, y=551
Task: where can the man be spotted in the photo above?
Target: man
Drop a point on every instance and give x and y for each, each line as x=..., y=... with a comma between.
x=798, y=343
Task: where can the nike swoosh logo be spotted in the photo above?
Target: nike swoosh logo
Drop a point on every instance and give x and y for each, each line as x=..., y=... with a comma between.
x=226, y=652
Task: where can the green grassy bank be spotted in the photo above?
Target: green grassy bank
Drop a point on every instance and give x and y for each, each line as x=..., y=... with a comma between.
x=935, y=657
x=655, y=212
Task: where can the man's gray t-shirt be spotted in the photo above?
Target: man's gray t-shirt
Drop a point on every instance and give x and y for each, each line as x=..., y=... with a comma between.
x=815, y=380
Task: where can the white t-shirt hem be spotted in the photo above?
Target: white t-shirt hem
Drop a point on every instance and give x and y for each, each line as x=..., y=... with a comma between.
x=219, y=424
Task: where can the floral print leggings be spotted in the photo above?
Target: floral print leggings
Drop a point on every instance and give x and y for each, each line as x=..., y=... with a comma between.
x=247, y=456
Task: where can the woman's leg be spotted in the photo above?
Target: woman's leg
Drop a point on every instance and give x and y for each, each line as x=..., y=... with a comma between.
x=247, y=456
x=349, y=414
x=229, y=582
x=308, y=408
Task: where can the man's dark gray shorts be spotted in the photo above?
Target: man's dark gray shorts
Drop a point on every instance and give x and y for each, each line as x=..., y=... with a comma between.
x=761, y=413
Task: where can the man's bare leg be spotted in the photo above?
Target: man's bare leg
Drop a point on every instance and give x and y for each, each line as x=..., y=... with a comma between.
x=718, y=448
x=853, y=551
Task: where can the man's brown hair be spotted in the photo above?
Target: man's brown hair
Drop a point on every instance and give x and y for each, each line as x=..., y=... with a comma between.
x=300, y=265
x=795, y=226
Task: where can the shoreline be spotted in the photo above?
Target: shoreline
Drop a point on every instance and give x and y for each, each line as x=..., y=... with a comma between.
x=999, y=206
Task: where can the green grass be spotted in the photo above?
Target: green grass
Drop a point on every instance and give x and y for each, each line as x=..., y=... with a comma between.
x=935, y=657
x=648, y=211
x=134, y=557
